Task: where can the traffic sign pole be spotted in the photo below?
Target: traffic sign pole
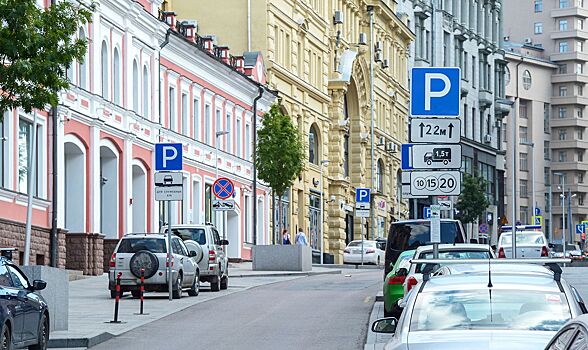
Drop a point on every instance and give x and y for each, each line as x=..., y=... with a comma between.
x=169, y=255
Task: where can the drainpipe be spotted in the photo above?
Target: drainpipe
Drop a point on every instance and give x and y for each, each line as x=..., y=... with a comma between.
x=254, y=166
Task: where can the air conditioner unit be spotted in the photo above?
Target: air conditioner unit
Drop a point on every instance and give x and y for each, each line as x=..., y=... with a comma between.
x=487, y=138
x=528, y=41
x=391, y=147
x=338, y=18
x=385, y=64
x=382, y=141
x=378, y=57
x=378, y=46
x=362, y=39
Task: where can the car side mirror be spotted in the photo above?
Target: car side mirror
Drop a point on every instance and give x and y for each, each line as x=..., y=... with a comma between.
x=384, y=325
x=39, y=285
x=402, y=272
x=193, y=253
x=224, y=242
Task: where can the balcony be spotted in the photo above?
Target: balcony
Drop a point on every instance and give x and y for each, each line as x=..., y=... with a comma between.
x=569, y=78
x=576, y=209
x=569, y=56
x=569, y=100
x=503, y=105
x=579, y=144
x=485, y=98
x=569, y=12
x=570, y=34
x=569, y=166
x=561, y=122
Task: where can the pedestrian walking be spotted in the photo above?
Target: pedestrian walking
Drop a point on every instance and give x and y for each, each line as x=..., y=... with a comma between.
x=286, y=237
x=301, y=238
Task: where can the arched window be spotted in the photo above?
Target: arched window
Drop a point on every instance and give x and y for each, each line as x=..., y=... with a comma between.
x=135, y=87
x=380, y=176
x=146, y=97
x=104, y=63
x=313, y=146
x=116, y=76
x=83, y=66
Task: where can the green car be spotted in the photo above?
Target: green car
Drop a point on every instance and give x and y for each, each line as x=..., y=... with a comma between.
x=393, y=284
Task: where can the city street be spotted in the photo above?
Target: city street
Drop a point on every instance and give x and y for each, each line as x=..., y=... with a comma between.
x=317, y=312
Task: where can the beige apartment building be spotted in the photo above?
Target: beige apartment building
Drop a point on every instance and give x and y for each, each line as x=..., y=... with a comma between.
x=302, y=42
x=559, y=27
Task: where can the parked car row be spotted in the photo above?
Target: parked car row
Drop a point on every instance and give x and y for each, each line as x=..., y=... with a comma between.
x=197, y=254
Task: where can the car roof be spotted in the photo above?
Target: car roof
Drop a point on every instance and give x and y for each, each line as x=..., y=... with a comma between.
x=454, y=247
x=364, y=241
x=456, y=269
x=466, y=282
x=421, y=221
x=145, y=234
x=583, y=319
x=407, y=253
x=188, y=225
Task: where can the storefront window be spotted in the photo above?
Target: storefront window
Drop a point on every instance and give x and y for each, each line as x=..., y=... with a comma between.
x=314, y=215
x=283, y=222
x=25, y=133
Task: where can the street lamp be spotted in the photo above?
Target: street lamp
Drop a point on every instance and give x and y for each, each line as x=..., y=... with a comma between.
x=218, y=134
x=370, y=10
x=563, y=210
x=323, y=162
x=532, y=145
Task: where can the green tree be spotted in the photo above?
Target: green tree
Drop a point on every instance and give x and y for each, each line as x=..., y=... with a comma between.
x=37, y=46
x=279, y=153
x=473, y=201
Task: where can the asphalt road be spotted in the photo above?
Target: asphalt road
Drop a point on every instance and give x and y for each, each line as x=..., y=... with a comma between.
x=317, y=312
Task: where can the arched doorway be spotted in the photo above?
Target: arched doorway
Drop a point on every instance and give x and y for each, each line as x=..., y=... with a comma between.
x=75, y=185
x=139, y=198
x=109, y=192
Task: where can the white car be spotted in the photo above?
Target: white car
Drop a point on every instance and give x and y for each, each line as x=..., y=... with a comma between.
x=372, y=254
x=530, y=244
x=446, y=251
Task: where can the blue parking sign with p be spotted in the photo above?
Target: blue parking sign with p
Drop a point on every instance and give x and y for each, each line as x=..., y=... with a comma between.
x=362, y=195
x=168, y=156
x=435, y=91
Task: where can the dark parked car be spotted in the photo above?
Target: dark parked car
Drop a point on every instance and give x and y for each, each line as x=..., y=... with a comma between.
x=411, y=234
x=23, y=313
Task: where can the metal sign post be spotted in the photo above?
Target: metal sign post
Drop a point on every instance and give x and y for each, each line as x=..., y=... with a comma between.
x=435, y=229
x=169, y=252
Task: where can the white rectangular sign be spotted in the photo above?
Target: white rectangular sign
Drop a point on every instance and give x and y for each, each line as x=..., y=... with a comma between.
x=435, y=224
x=168, y=178
x=437, y=130
x=431, y=156
x=169, y=193
x=223, y=204
x=445, y=205
x=362, y=213
x=435, y=183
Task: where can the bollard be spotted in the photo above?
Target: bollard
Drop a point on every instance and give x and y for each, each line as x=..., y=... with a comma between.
x=117, y=300
x=142, y=289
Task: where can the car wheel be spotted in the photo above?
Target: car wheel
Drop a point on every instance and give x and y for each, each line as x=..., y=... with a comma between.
x=215, y=284
x=195, y=290
x=379, y=262
x=224, y=282
x=177, y=291
x=43, y=335
x=136, y=293
x=5, y=338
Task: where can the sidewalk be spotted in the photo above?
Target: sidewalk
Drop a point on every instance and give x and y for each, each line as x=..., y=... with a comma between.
x=91, y=309
x=376, y=341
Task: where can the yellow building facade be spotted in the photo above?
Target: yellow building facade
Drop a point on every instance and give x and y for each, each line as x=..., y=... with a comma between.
x=303, y=42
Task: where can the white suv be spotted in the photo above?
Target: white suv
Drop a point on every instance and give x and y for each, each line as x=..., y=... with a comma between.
x=149, y=252
x=214, y=267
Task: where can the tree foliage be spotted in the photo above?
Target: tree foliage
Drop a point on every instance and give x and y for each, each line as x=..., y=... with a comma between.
x=472, y=202
x=37, y=46
x=280, y=151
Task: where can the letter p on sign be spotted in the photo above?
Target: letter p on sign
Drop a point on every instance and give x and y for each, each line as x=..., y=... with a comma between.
x=435, y=91
x=168, y=156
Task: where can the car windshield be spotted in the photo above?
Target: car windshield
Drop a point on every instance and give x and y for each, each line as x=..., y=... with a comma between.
x=456, y=254
x=365, y=244
x=133, y=245
x=412, y=235
x=523, y=238
x=490, y=309
x=195, y=234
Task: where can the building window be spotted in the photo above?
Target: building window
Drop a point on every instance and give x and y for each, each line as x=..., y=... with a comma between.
x=563, y=46
x=346, y=155
x=546, y=117
x=172, y=109
x=563, y=134
x=116, y=76
x=25, y=134
x=247, y=142
x=538, y=5
x=562, y=68
x=420, y=41
x=506, y=75
x=580, y=134
x=580, y=46
x=185, y=130
x=538, y=27
x=523, y=188
x=196, y=118
x=563, y=4
x=523, y=134
x=104, y=66
x=580, y=156
x=524, y=214
x=562, y=156
x=229, y=136
x=217, y=126
x=546, y=175
x=313, y=146
x=446, y=44
x=523, y=162
x=207, y=125
x=563, y=25
x=146, y=94
x=523, y=109
x=238, y=131
x=473, y=71
x=380, y=176
x=581, y=24
x=526, y=80
x=580, y=112
x=83, y=65
x=563, y=91
x=563, y=112
x=580, y=178
x=546, y=150
x=208, y=216
x=135, y=87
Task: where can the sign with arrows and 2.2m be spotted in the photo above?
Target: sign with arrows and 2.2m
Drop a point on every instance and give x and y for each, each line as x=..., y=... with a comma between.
x=443, y=130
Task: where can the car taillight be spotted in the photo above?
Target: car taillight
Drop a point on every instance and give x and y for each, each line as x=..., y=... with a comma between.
x=167, y=261
x=211, y=255
x=501, y=253
x=112, y=260
x=370, y=251
x=397, y=280
x=347, y=251
x=544, y=251
x=411, y=282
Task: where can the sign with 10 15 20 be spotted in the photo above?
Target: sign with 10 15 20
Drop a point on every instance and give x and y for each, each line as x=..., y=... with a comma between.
x=435, y=183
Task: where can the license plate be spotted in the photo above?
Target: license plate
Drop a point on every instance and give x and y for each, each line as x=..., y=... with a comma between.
x=356, y=251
